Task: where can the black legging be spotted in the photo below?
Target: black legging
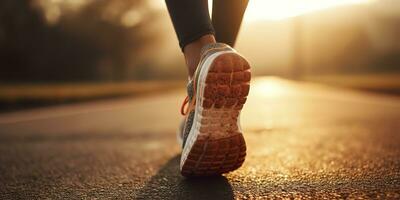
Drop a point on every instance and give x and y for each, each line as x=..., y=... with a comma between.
x=191, y=19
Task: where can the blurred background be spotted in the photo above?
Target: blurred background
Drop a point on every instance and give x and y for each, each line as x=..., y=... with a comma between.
x=60, y=51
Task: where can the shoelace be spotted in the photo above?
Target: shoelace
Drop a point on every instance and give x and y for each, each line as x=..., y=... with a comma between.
x=185, y=102
x=189, y=108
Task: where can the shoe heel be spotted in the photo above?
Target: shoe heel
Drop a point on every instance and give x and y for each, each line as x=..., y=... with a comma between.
x=220, y=146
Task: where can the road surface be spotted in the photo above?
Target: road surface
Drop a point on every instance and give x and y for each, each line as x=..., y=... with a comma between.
x=304, y=141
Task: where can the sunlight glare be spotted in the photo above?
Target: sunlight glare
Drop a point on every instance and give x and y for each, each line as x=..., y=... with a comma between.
x=277, y=10
x=270, y=87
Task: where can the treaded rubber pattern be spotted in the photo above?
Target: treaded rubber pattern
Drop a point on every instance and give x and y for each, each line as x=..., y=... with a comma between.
x=220, y=146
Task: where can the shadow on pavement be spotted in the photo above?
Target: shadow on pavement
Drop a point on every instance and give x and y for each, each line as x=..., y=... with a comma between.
x=168, y=183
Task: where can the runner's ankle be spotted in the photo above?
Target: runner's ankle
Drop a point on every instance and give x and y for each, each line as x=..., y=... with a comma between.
x=192, y=52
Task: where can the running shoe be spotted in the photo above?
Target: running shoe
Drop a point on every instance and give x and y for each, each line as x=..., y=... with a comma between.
x=210, y=134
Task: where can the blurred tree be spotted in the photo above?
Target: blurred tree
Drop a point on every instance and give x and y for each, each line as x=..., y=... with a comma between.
x=101, y=40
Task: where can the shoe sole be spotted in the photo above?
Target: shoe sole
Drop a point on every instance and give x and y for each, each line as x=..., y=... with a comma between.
x=215, y=144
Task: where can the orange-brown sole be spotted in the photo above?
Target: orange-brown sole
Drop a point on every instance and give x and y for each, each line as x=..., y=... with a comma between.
x=220, y=147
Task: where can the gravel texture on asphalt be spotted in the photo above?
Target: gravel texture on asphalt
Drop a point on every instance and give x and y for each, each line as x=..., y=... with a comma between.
x=304, y=141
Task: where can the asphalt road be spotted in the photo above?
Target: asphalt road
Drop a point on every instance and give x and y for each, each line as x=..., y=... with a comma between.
x=304, y=141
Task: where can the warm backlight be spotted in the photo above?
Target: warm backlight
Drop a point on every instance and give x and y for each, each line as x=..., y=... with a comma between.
x=281, y=9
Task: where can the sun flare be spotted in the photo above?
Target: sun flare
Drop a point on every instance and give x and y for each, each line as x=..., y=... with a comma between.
x=281, y=9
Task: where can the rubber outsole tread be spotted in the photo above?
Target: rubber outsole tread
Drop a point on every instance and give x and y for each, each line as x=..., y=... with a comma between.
x=220, y=146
